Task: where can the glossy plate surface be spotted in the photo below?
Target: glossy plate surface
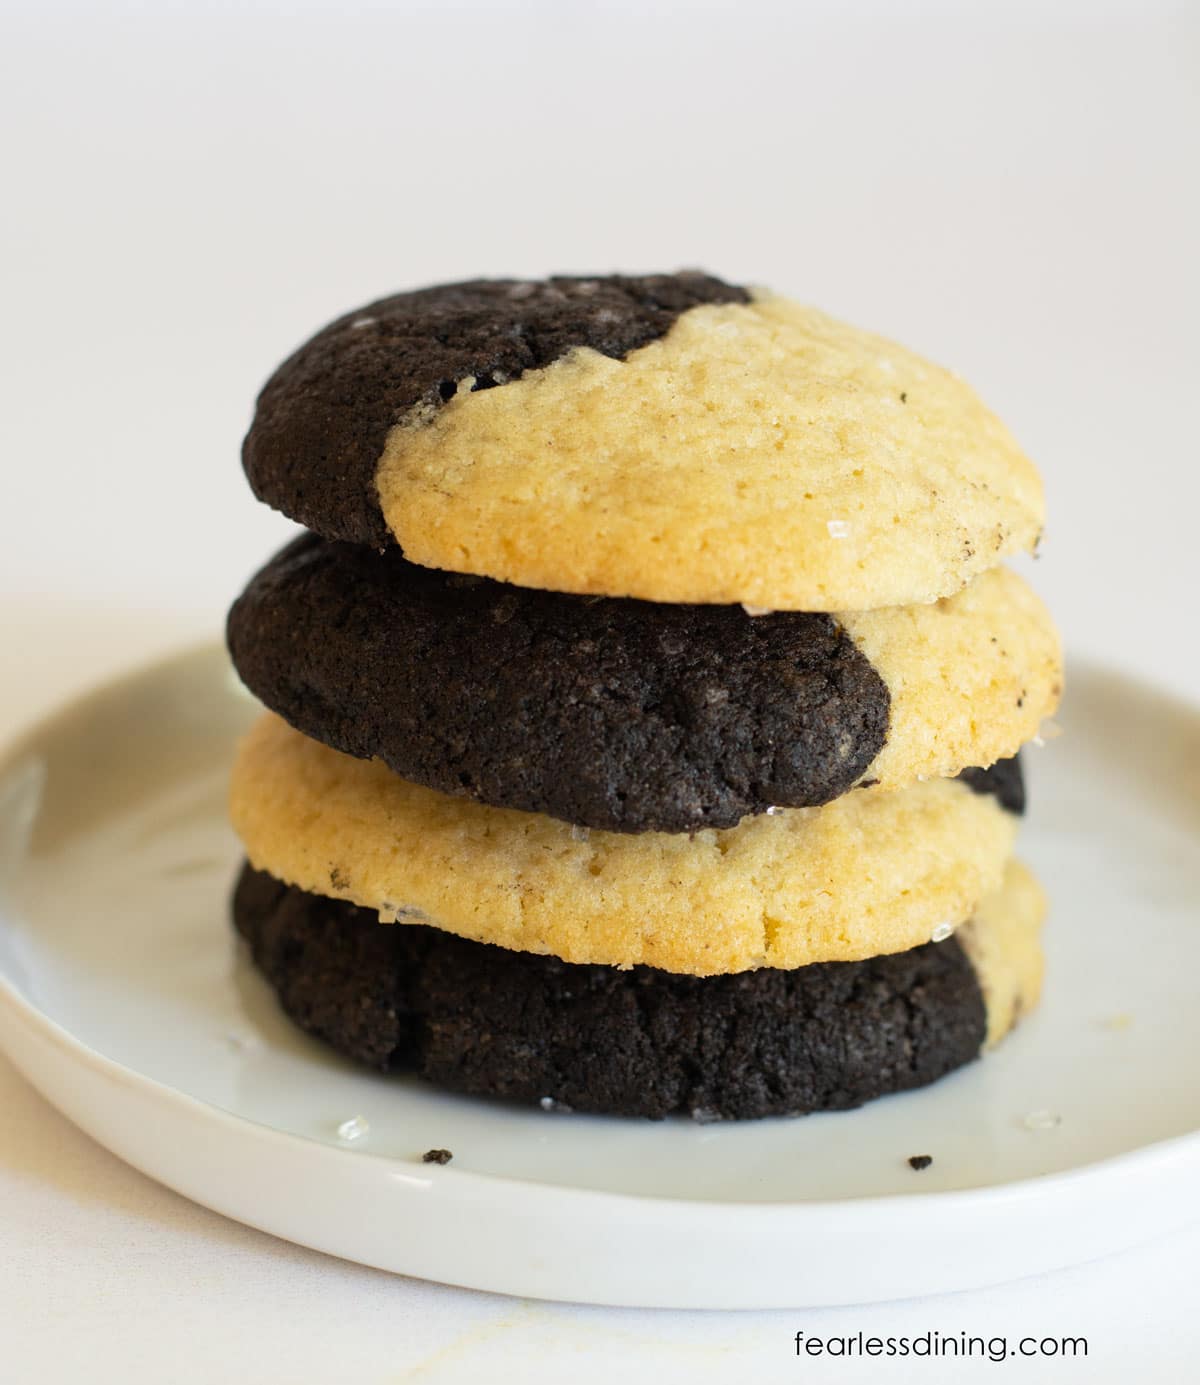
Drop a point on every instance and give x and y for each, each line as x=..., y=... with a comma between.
x=124, y=998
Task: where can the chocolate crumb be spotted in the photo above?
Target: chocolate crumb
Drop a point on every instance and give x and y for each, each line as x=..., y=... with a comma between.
x=916, y=1161
x=904, y=396
x=436, y=1156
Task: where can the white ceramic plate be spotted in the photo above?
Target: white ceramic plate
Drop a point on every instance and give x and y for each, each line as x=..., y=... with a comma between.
x=124, y=998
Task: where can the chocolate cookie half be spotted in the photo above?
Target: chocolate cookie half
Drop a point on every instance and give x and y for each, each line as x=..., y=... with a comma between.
x=627, y=716
x=632, y=716
x=479, y=1019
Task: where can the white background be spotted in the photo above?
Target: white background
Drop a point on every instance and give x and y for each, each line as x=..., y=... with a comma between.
x=188, y=190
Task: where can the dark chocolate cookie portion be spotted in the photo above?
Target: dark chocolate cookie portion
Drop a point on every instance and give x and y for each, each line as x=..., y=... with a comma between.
x=1005, y=780
x=322, y=418
x=480, y=1019
x=622, y=715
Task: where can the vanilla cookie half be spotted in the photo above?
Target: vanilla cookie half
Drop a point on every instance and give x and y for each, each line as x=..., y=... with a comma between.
x=668, y=437
x=867, y=874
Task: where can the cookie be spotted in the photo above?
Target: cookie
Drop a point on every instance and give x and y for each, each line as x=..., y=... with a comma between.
x=632, y=716
x=869, y=873
x=667, y=437
x=478, y=1019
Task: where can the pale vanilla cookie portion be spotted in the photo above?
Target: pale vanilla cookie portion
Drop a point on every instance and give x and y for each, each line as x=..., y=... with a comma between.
x=758, y=452
x=1002, y=943
x=867, y=874
x=971, y=677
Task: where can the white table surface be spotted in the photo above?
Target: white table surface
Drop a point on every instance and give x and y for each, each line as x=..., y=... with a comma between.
x=1009, y=188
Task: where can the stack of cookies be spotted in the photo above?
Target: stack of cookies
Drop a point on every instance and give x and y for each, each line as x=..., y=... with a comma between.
x=644, y=700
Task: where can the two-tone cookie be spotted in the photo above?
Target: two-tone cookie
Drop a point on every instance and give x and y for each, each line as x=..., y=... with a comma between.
x=476, y=1018
x=669, y=437
x=868, y=873
x=634, y=716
